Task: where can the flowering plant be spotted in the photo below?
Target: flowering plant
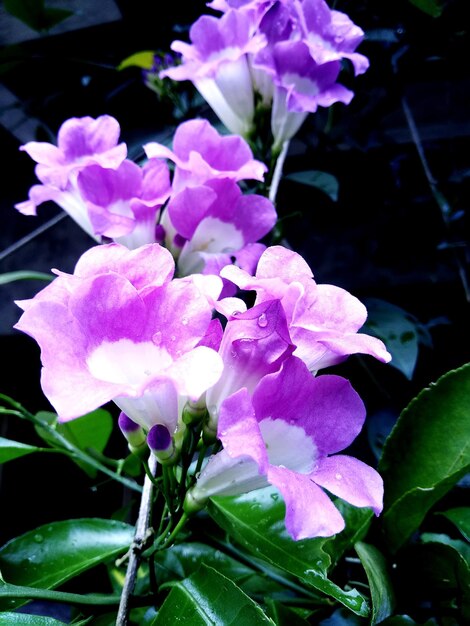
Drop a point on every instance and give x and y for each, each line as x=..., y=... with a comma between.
x=193, y=330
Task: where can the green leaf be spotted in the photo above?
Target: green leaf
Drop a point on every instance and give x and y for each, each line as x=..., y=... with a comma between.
x=207, y=598
x=320, y=180
x=444, y=572
x=426, y=454
x=24, y=619
x=341, y=617
x=53, y=553
x=10, y=449
x=256, y=521
x=89, y=432
x=433, y=8
x=283, y=615
x=397, y=329
x=144, y=59
x=35, y=14
x=10, y=277
x=460, y=517
x=184, y=559
x=461, y=546
x=381, y=588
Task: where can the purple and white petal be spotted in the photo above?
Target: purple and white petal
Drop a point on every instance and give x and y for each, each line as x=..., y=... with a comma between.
x=309, y=511
x=351, y=480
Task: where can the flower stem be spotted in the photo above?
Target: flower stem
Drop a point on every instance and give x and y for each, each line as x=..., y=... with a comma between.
x=141, y=530
x=277, y=173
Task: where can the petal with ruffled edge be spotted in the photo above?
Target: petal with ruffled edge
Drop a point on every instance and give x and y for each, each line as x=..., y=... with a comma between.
x=327, y=408
x=309, y=511
x=148, y=266
x=351, y=480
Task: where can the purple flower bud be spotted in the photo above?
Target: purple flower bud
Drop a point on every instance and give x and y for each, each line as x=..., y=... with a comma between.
x=160, y=442
x=133, y=432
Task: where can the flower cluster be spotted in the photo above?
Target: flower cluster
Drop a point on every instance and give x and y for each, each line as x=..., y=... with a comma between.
x=123, y=328
x=284, y=54
x=156, y=317
x=201, y=214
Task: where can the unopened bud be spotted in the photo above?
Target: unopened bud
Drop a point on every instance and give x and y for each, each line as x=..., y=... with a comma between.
x=161, y=443
x=133, y=432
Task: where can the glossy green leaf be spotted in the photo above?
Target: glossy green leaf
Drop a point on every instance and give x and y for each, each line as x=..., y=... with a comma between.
x=341, y=617
x=320, y=180
x=381, y=588
x=444, y=572
x=426, y=454
x=53, y=553
x=24, y=619
x=256, y=521
x=10, y=450
x=144, y=59
x=397, y=329
x=207, y=598
x=91, y=432
x=184, y=559
x=431, y=7
x=35, y=14
x=460, y=546
x=460, y=517
x=283, y=615
x=10, y=277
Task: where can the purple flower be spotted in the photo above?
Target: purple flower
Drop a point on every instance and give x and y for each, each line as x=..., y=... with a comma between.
x=331, y=35
x=217, y=222
x=323, y=320
x=81, y=142
x=300, y=86
x=124, y=203
x=286, y=436
x=200, y=154
x=120, y=329
x=216, y=63
x=254, y=344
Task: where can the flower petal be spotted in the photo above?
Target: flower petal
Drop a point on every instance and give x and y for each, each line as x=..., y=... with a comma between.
x=309, y=511
x=351, y=480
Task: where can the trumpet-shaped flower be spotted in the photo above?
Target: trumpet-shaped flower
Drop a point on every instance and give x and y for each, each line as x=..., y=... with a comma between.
x=216, y=62
x=301, y=86
x=287, y=435
x=120, y=329
x=80, y=142
x=124, y=203
x=216, y=222
x=255, y=343
x=200, y=154
x=323, y=320
x=330, y=35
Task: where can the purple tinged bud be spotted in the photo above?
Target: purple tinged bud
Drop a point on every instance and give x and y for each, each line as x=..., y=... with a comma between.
x=159, y=438
x=133, y=432
x=161, y=443
x=160, y=234
x=179, y=241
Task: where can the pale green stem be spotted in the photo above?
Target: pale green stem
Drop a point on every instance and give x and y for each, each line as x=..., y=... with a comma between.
x=277, y=174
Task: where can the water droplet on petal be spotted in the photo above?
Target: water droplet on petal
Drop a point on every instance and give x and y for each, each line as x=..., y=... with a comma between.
x=38, y=538
x=262, y=320
x=173, y=337
x=157, y=338
x=338, y=476
x=184, y=321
